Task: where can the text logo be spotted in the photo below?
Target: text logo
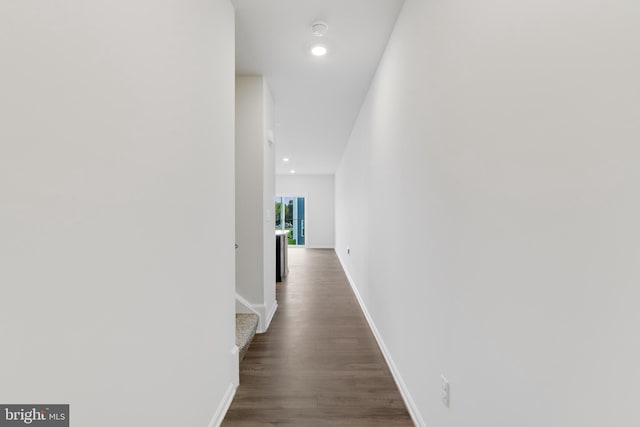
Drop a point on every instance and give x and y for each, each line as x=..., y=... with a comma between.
x=34, y=415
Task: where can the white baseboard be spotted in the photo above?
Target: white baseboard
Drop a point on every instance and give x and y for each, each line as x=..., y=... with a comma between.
x=270, y=316
x=225, y=403
x=235, y=361
x=406, y=396
x=265, y=318
x=223, y=407
x=244, y=306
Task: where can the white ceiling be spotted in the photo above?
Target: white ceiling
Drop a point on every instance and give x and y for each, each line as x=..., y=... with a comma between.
x=317, y=99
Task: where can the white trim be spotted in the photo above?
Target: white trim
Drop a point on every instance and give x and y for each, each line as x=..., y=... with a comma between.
x=270, y=317
x=225, y=403
x=264, y=318
x=235, y=361
x=249, y=307
x=404, y=391
x=223, y=407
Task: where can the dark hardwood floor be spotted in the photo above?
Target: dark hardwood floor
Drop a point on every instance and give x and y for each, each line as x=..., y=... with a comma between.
x=319, y=363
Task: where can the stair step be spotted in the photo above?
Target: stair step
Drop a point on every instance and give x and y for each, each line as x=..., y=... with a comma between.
x=246, y=326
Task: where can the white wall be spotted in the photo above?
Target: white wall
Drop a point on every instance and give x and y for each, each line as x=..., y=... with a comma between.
x=116, y=150
x=319, y=193
x=249, y=152
x=268, y=206
x=255, y=192
x=489, y=195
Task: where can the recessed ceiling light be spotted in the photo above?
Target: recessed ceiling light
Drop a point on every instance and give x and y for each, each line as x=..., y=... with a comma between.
x=293, y=171
x=286, y=159
x=319, y=50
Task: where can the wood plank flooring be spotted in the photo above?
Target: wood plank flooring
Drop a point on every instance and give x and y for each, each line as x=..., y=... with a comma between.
x=319, y=363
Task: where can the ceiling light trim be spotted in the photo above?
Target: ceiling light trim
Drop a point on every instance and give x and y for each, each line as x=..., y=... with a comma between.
x=319, y=28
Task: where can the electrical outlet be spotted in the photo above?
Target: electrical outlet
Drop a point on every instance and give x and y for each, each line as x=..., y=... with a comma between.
x=444, y=391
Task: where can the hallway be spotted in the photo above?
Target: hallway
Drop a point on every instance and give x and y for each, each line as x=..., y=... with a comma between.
x=319, y=363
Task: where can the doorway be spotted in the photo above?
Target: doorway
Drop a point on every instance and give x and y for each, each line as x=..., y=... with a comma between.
x=290, y=216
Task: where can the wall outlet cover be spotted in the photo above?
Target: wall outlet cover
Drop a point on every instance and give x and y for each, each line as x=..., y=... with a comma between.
x=445, y=396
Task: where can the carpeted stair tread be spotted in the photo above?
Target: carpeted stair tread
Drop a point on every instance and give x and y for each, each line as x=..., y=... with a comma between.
x=246, y=326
